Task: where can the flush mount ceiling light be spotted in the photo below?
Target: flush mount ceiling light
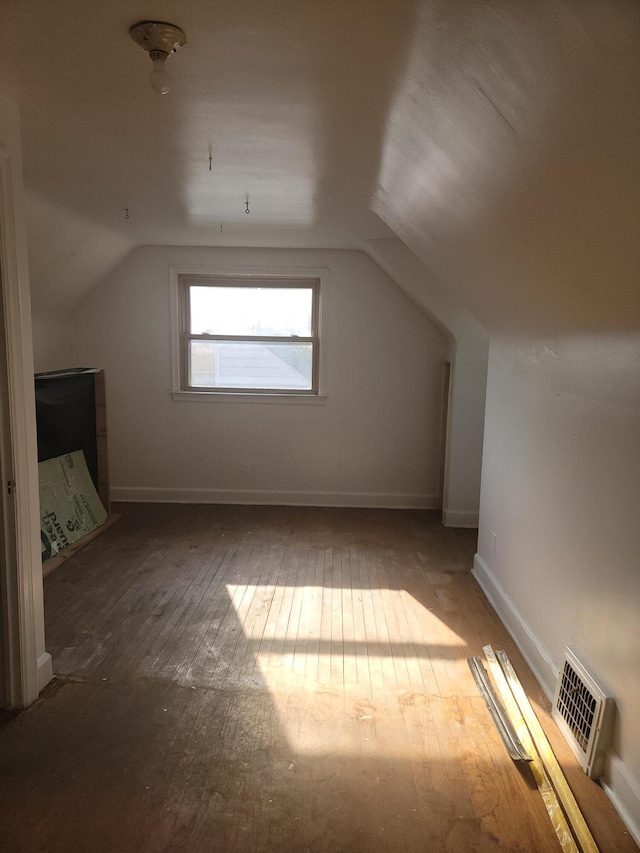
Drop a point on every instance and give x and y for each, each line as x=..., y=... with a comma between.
x=160, y=40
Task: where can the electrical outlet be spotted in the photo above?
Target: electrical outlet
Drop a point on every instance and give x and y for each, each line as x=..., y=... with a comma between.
x=246, y=469
x=494, y=542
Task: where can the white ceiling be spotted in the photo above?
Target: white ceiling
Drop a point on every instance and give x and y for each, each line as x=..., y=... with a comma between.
x=440, y=116
x=289, y=97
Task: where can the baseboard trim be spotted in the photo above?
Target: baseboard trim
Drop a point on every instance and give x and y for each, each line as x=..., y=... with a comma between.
x=460, y=518
x=624, y=792
x=372, y=500
x=44, y=669
x=533, y=651
x=621, y=788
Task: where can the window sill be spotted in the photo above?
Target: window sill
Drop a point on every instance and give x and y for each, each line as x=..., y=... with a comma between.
x=221, y=397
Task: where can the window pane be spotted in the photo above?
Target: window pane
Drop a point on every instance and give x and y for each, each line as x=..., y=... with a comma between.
x=251, y=310
x=240, y=364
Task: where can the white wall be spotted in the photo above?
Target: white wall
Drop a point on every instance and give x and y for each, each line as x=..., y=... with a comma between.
x=49, y=340
x=469, y=352
x=375, y=441
x=69, y=255
x=561, y=492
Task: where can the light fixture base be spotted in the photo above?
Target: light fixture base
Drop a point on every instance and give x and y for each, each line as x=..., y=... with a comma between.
x=158, y=36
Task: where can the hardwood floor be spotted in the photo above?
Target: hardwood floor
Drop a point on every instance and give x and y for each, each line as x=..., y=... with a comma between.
x=273, y=679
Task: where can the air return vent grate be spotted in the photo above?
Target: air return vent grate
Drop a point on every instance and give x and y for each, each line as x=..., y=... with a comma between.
x=583, y=713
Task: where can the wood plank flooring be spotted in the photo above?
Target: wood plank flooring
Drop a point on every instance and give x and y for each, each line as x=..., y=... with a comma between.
x=273, y=679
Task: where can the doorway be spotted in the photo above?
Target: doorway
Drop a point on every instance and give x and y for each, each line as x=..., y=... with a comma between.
x=444, y=432
x=5, y=550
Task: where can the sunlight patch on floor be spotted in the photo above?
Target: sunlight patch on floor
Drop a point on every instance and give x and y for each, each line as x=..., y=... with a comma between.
x=343, y=666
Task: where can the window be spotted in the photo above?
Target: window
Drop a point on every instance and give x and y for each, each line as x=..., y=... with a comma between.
x=246, y=334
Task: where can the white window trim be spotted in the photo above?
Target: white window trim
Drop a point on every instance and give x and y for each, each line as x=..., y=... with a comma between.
x=179, y=395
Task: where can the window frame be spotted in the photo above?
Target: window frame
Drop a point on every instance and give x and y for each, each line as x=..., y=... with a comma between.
x=186, y=280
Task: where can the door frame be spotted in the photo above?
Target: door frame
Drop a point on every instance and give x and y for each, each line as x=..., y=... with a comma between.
x=443, y=474
x=26, y=667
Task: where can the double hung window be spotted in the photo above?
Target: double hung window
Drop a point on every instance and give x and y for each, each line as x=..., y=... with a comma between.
x=249, y=335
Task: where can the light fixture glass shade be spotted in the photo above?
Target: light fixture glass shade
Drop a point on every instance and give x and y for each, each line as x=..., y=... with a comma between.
x=160, y=40
x=160, y=79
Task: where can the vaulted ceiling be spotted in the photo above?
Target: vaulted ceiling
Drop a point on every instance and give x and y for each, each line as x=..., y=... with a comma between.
x=496, y=139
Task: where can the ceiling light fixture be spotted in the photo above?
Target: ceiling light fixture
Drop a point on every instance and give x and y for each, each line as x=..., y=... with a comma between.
x=160, y=40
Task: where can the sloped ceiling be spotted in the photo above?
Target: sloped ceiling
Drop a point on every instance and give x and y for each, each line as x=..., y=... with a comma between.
x=496, y=139
x=512, y=160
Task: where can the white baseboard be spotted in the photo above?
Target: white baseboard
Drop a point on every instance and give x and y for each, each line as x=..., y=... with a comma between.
x=624, y=792
x=44, y=668
x=459, y=518
x=621, y=788
x=533, y=651
x=141, y=494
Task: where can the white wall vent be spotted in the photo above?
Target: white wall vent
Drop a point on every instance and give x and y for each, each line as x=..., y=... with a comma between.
x=584, y=714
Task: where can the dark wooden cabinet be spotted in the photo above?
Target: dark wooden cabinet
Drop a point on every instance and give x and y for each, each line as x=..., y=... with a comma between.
x=71, y=414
